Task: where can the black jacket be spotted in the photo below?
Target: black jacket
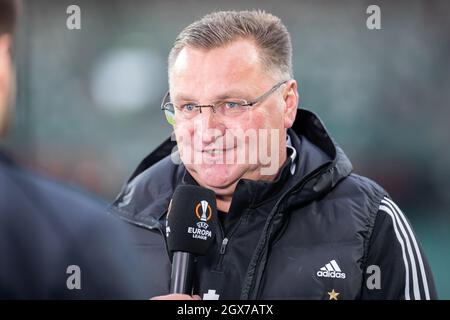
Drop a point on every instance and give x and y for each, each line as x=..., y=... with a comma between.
x=319, y=233
x=46, y=229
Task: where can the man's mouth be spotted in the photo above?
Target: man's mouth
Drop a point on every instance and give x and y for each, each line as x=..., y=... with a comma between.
x=215, y=151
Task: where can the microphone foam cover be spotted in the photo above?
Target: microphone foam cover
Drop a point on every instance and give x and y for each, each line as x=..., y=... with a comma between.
x=191, y=220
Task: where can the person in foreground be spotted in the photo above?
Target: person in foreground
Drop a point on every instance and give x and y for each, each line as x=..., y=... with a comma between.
x=55, y=242
x=294, y=221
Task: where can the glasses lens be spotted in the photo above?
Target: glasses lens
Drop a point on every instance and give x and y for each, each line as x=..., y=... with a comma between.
x=170, y=117
x=169, y=112
x=232, y=108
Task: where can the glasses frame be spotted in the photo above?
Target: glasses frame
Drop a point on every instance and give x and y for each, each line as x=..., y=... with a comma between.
x=169, y=107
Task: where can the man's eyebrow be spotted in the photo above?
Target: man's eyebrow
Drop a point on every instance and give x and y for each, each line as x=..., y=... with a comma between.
x=231, y=94
x=222, y=96
x=182, y=97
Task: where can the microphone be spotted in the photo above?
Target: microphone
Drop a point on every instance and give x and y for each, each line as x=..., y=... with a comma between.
x=190, y=230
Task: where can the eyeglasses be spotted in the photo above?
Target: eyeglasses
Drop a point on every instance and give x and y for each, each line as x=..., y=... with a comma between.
x=228, y=108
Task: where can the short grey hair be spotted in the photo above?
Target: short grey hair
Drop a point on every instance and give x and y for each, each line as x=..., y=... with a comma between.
x=223, y=27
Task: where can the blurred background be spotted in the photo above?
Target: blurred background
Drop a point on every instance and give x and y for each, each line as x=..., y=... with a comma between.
x=88, y=100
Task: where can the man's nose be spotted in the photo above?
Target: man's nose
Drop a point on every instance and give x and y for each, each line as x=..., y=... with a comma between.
x=209, y=127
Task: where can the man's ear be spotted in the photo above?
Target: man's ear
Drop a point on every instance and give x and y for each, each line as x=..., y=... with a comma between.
x=5, y=54
x=6, y=80
x=290, y=96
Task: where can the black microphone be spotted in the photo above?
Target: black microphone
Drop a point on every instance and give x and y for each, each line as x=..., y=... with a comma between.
x=190, y=230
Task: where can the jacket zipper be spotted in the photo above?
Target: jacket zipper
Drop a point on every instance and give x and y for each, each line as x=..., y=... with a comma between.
x=223, y=246
x=252, y=285
x=225, y=240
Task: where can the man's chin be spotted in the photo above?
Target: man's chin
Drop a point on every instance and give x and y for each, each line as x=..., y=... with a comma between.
x=216, y=177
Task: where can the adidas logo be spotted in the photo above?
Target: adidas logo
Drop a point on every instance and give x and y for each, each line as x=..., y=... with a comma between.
x=331, y=270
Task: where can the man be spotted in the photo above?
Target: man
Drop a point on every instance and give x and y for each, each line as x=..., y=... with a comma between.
x=310, y=229
x=55, y=243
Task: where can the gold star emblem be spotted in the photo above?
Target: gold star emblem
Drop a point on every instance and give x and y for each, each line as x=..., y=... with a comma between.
x=333, y=295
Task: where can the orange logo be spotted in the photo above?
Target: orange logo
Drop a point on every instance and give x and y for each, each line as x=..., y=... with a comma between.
x=206, y=211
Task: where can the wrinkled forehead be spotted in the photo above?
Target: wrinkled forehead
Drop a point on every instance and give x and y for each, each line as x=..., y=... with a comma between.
x=198, y=70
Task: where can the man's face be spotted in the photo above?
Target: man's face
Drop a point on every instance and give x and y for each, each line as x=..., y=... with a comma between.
x=6, y=81
x=212, y=146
